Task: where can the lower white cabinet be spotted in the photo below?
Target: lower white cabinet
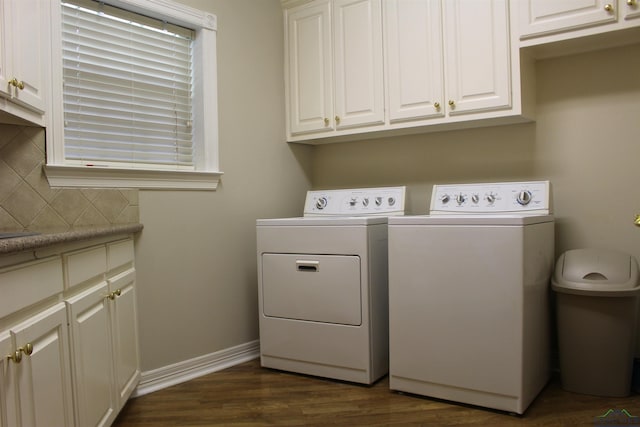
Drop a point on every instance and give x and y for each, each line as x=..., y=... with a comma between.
x=69, y=357
x=104, y=332
x=94, y=386
x=36, y=374
x=125, y=335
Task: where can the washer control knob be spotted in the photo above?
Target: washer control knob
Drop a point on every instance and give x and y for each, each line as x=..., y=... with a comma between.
x=461, y=198
x=378, y=201
x=445, y=199
x=391, y=200
x=353, y=201
x=491, y=198
x=524, y=197
x=365, y=202
x=321, y=203
x=475, y=198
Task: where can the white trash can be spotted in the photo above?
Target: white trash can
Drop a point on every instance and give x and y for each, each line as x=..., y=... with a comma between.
x=596, y=304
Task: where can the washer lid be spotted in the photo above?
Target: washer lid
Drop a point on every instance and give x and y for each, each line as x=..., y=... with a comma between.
x=322, y=221
x=512, y=220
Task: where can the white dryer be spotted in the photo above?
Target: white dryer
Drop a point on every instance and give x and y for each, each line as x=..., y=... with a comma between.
x=323, y=285
x=468, y=295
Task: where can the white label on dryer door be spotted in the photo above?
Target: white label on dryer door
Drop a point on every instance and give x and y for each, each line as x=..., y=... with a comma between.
x=320, y=288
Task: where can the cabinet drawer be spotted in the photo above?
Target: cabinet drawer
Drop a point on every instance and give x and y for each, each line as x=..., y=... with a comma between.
x=120, y=254
x=84, y=265
x=29, y=283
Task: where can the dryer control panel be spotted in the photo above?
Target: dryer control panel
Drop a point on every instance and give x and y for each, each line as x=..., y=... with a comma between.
x=492, y=198
x=383, y=201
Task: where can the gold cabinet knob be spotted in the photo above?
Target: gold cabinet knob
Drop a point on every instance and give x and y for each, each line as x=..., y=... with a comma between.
x=16, y=83
x=608, y=7
x=452, y=103
x=436, y=105
x=337, y=119
x=636, y=221
x=16, y=356
x=632, y=2
x=326, y=121
x=114, y=294
x=27, y=349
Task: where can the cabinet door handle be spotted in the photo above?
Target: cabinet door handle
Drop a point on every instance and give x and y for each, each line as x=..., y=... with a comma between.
x=452, y=104
x=436, y=105
x=338, y=120
x=27, y=349
x=15, y=357
x=15, y=83
x=608, y=7
x=326, y=121
x=631, y=2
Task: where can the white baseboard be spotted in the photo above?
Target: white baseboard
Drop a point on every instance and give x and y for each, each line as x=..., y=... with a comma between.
x=180, y=372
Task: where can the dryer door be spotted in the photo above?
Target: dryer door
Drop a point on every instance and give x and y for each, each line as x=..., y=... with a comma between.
x=320, y=288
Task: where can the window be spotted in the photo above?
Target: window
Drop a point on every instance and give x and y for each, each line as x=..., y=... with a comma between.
x=137, y=104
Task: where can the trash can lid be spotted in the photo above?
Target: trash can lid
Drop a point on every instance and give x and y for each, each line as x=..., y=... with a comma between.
x=595, y=270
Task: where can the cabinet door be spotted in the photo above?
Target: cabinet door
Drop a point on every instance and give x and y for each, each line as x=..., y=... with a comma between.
x=29, y=23
x=309, y=68
x=8, y=402
x=477, y=58
x=413, y=30
x=542, y=17
x=44, y=377
x=5, y=28
x=92, y=361
x=359, y=90
x=125, y=334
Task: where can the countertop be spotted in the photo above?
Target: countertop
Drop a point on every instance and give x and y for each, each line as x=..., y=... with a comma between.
x=52, y=237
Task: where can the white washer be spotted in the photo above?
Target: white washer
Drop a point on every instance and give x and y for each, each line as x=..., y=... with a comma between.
x=468, y=295
x=323, y=285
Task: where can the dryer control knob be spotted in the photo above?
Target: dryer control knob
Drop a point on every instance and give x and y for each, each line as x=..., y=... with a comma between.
x=461, y=198
x=391, y=201
x=378, y=201
x=445, y=199
x=365, y=202
x=475, y=198
x=321, y=203
x=524, y=197
x=491, y=198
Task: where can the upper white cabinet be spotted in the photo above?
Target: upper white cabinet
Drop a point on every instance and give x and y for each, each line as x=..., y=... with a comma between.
x=446, y=58
x=24, y=60
x=334, y=65
x=542, y=22
x=439, y=64
x=415, y=59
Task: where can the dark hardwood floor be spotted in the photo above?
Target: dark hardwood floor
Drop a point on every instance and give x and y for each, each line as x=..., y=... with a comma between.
x=248, y=395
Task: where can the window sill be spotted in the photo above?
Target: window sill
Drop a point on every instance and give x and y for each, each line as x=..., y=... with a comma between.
x=100, y=177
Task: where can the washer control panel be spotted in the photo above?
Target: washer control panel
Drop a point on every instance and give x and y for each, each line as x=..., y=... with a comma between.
x=495, y=198
x=383, y=201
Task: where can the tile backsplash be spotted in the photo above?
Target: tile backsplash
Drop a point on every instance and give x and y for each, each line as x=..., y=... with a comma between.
x=28, y=203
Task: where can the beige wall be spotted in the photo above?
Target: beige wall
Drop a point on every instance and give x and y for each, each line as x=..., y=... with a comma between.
x=196, y=257
x=586, y=141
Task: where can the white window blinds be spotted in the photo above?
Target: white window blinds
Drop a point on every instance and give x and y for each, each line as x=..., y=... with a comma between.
x=127, y=92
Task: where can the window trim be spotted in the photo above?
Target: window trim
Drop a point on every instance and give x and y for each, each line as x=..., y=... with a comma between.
x=207, y=174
